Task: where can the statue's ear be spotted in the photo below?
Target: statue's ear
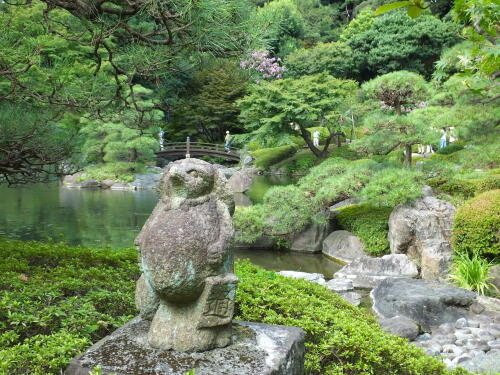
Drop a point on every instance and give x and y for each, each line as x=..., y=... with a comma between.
x=222, y=190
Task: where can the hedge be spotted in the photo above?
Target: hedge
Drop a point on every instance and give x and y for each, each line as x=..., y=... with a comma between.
x=265, y=157
x=56, y=300
x=477, y=226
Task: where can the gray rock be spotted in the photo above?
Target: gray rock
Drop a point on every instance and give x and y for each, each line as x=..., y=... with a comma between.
x=369, y=272
x=352, y=297
x=258, y=349
x=242, y=200
x=310, y=239
x=461, y=323
x=146, y=181
x=263, y=242
x=427, y=302
x=494, y=344
x=89, y=184
x=427, y=191
x=494, y=274
x=343, y=245
x=400, y=326
x=242, y=180
x=340, y=285
x=186, y=262
x=121, y=186
x=107, y=183
x=313, y=277
x=423, y=231
x=423, y=337
x=488, y=364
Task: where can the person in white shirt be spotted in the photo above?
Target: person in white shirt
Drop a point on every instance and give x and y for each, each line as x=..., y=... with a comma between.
x=316, y=135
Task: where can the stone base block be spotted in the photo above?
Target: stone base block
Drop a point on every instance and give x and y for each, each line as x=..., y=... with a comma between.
x=257, y=349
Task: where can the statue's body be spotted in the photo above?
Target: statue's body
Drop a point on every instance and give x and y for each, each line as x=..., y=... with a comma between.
x=187, y=287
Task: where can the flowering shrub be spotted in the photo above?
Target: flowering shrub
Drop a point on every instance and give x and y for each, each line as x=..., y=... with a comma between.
x=263, y=66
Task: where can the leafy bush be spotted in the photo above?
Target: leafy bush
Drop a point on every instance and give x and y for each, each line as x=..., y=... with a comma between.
x=484, y=157
x=476, y=226
x=55, y=300
x=344, y=152
x=369, y=223
x=265, y=157
x=450, y=149
x=470, y=271
x=117, y=171
x=463, y=187
x=340, y=338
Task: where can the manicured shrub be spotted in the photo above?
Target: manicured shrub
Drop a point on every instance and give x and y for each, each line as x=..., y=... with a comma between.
x=118, y=171
x=450, y=149
x=476, y=227
x=369, y=223
x=344, y=152
x=340, y=338
x=55, y=300
x=265, y=157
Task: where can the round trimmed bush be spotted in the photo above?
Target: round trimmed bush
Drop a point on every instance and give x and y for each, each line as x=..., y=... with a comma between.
x=477, y=226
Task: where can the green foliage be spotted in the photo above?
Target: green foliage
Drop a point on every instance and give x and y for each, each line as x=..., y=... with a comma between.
x=336, y=58
x=249, y=222
x=450, y=149
x=369, y=223
x=288, y=107
x=280, y=20
x=358, y=25
x=344, y=152
x=266, y=157
x=117, y=171
x=340, y=338
x=475, y=228
x=206, y=107
x=55, y=300
x=470, y=271
x=395, y=41
x=392, y=186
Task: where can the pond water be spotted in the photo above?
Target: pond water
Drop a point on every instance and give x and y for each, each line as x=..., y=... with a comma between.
x=97, y=218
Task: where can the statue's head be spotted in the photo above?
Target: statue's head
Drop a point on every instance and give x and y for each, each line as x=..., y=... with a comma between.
x=188, y=178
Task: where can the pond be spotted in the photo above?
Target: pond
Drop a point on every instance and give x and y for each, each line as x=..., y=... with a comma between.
x=97, y=218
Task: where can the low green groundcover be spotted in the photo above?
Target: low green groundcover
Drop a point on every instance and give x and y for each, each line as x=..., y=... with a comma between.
x=56, y=300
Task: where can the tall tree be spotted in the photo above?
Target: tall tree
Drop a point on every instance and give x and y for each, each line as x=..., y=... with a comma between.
x=399, y=94
x=288, y=107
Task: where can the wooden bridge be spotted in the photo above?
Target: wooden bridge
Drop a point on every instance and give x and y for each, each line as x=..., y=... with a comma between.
x=193, y=149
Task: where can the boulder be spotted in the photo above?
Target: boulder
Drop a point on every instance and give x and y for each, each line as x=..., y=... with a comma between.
x=312, y=277
x=400, y=326
x=429, y=303
x=369, y=272
x=71, y=180
x=121, y=186
x=241, y=199
x=257, y=349
x=339, y=285
x=344, y=246
x=422, y=231
x=346, y=202
x=495, y=275
x=352, y=297
x=106, y=184
x=263, y=242
x=146, y=180
x=242, y=180
x=310, y=239
x=89, y=184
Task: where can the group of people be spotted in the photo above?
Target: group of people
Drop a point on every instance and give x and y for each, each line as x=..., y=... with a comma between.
x=447, y=137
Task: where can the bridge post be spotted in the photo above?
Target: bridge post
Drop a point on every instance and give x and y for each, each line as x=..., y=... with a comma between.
x=188, y=141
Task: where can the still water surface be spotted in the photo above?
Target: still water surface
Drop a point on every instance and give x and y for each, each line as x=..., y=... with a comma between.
x=97, y=218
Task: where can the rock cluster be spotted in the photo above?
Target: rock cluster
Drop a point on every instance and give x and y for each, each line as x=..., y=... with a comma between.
x=467, y=343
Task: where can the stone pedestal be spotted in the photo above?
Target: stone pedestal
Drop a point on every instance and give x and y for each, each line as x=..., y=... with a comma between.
x=257, y=349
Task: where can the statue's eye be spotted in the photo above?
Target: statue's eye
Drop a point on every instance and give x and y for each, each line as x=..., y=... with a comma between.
x=193, y=173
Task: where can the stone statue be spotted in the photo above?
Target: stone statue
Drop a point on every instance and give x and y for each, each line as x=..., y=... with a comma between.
x=187, y=287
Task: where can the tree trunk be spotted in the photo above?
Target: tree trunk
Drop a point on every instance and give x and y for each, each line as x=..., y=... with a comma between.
x=305, y=134
x=408, y=156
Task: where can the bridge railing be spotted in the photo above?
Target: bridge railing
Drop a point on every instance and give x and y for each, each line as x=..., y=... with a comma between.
x=196, y=146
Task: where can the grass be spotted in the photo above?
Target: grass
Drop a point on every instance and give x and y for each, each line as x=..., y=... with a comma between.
x=471, y=272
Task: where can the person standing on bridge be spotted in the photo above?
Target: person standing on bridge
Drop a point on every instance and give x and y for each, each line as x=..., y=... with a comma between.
x=227, y=141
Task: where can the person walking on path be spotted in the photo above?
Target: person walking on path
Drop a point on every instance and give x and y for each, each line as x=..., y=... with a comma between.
x=316, y=138
x=442, y=140
x=227, y=140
